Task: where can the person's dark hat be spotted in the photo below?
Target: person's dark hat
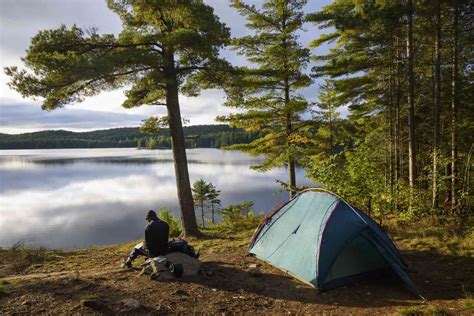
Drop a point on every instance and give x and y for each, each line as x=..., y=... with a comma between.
x=151, y=215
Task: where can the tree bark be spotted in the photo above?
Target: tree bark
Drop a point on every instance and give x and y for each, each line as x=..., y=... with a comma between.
x=202, y=213
x=289, y=130
x=411, y=101
x=454, y=109
x=397, y=117
x=185, y=196
x=391, y=127
x=212, y=213
x=436, y=103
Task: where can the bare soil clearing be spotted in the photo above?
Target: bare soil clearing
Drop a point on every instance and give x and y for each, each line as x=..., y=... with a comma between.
x=90, y=281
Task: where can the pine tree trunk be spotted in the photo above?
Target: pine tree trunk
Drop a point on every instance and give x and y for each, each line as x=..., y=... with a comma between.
x=391, y=129
x=411, y=101
x=185, y=196
x=397, y=150
x=202, y=214
x=289, y=127
x=436, y=103
x=212, y=213
x=289, y=130
x=454, y=109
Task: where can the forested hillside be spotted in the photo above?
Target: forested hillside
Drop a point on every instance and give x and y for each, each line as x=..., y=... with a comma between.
x=210, y=136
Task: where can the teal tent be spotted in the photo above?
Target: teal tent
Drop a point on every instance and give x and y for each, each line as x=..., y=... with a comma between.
x=323, y=241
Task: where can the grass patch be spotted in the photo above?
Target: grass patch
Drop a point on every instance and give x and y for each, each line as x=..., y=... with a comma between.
x=19, y=257
x=218, y=240
x=421, y=310
x=90, y=297
x=446, y=239
x=410, y=311
x=434, y=310
x=469, y=301
x=3, y=287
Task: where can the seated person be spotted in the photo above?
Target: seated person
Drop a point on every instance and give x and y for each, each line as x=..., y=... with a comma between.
x=156, y=240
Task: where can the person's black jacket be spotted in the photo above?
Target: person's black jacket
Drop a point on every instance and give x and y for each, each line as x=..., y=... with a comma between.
x=156, y=237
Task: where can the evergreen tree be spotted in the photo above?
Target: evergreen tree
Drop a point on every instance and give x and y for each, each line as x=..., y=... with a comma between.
x=164, y=46
x=214, y=200
x=201, y=191
x=268, y=92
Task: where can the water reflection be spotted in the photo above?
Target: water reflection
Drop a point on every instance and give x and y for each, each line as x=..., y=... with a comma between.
x=81, y=197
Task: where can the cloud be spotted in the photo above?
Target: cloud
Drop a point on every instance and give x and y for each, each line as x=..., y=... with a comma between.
x=98, y=113
x=20, y=20
x=24, y=117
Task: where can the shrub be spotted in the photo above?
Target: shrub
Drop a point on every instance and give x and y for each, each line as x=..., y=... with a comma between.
x=238, y=217
x=175, y=226
x=19, y=257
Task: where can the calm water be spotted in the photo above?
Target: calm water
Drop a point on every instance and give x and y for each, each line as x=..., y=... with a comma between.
x=80, y=197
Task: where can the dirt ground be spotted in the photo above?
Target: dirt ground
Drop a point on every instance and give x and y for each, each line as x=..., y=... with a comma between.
x=89, y=281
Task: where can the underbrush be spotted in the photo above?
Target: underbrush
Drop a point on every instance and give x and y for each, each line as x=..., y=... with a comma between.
x=445, y=238
x=19, y=257
x=422, y=310
x=3, y=287
x=469, y=298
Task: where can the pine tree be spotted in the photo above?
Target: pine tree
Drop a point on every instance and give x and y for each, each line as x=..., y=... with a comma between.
x=164, y=47
x=267, y=94
x=214, y=200
x=436, y=103
x=201, y=191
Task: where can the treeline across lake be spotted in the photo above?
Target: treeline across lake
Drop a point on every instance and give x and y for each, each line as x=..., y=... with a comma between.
x=207, y=136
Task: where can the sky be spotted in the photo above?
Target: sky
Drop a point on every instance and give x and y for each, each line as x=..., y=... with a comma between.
x=20, y=20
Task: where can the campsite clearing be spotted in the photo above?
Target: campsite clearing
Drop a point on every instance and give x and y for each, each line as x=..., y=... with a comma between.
x=89, y=280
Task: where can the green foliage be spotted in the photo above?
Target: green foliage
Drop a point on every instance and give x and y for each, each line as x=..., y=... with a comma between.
x=206, y=198
x=153, y=124
x=214, y=201
x=267, y=94
x=91, y=297
x=68, y=64
x=469, y=298
x=3, y=287
x=175, y=226
x=239, y=217
x=354, y=174
x=364, y=156
x=422, y=310
x=200, y=196
x=469, y=303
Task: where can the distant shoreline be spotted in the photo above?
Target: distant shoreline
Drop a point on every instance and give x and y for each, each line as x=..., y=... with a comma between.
x=197, y=136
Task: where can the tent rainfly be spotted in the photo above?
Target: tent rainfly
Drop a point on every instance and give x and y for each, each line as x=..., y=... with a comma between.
x=323, y=241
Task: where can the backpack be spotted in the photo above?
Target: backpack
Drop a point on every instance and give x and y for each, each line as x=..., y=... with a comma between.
x=181, y=245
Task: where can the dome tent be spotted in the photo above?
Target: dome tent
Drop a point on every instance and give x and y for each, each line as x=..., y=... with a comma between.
x=323, y=241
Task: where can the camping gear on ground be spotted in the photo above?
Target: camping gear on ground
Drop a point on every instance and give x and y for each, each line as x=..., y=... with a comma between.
x=180, y=260
x=181, y=245
x=191, y=266
x=325, y=242
x=161, y=264
x=172, y=265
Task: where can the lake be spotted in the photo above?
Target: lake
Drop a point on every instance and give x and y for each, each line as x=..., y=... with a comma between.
x=67, y=198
